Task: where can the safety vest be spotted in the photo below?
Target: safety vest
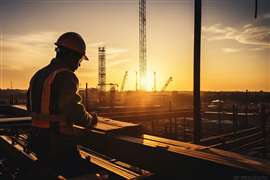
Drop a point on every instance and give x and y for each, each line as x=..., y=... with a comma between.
x=44, y=119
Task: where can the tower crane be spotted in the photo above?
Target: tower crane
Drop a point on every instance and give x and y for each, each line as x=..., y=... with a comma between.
x=124, y=81
x=167, y=84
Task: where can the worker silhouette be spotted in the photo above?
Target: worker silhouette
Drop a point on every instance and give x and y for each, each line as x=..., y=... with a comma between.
x=55, y=107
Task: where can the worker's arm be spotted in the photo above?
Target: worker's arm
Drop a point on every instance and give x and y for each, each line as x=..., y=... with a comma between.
x=69, y=101
x=28, y=98
x=28, y=101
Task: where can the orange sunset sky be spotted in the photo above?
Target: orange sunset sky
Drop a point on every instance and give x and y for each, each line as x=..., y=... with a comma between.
x=235, y=46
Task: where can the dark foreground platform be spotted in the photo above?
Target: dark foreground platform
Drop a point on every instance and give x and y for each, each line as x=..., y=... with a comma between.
x=121, y=149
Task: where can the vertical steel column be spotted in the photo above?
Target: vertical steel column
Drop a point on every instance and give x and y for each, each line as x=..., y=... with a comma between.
x=136, y=86
x=155, y=82
x=256, y=9
x=196, y=73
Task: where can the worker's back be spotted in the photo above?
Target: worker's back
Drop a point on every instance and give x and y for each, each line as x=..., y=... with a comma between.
x=48, y=142
x=55, y=106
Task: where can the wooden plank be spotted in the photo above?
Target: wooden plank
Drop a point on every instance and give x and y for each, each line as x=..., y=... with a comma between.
x=120, y=124
x=120, y=168
x=106, y=125
x=172, y=142
x=15, y=120
x=23, y=107
x=175, y=160
x=209, y=154
x=110, y=126
x=223, y=137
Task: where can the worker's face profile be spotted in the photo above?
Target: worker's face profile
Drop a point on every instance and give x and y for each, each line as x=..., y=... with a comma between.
x=77, y=64
x=80, y=61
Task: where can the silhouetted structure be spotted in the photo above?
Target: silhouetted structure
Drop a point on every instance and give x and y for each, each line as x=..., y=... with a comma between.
x=197, y=72
x=142, y=44
x=124, y=81
x=167, y=84
x=102, y=68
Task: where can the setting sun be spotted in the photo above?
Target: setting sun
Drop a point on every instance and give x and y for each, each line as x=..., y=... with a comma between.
x=150, y=81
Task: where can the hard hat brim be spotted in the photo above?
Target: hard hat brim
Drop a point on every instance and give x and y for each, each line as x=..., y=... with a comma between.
x=85, y=58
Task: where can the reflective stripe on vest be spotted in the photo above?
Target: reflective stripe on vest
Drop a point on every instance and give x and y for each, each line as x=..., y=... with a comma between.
x=46, y=91
x=44, y=118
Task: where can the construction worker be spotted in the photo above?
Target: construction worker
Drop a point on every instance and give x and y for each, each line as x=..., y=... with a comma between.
x=55, y=107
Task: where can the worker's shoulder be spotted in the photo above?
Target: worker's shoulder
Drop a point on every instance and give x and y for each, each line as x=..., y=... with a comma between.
x=40, y=74
x=66, y=76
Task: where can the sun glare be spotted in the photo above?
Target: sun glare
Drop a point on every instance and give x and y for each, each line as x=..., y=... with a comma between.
x=148, y=82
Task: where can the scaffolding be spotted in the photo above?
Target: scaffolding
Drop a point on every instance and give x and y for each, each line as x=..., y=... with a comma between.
x=142, y=44
x=102, y=69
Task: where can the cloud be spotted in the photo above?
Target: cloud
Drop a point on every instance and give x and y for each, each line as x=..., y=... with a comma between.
x=257, y=49
x=5, y=67
x=217, y=32
x=247, y=26
x=248, y=34
x=116, y=50
x=266, y=16
x=96, y=44
x=230, y=50
x=35, y=38
x=113, y=53
x=35, y=42
x=117, y=62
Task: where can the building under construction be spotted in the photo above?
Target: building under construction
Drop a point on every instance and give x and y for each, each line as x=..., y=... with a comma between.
x=157, y=134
